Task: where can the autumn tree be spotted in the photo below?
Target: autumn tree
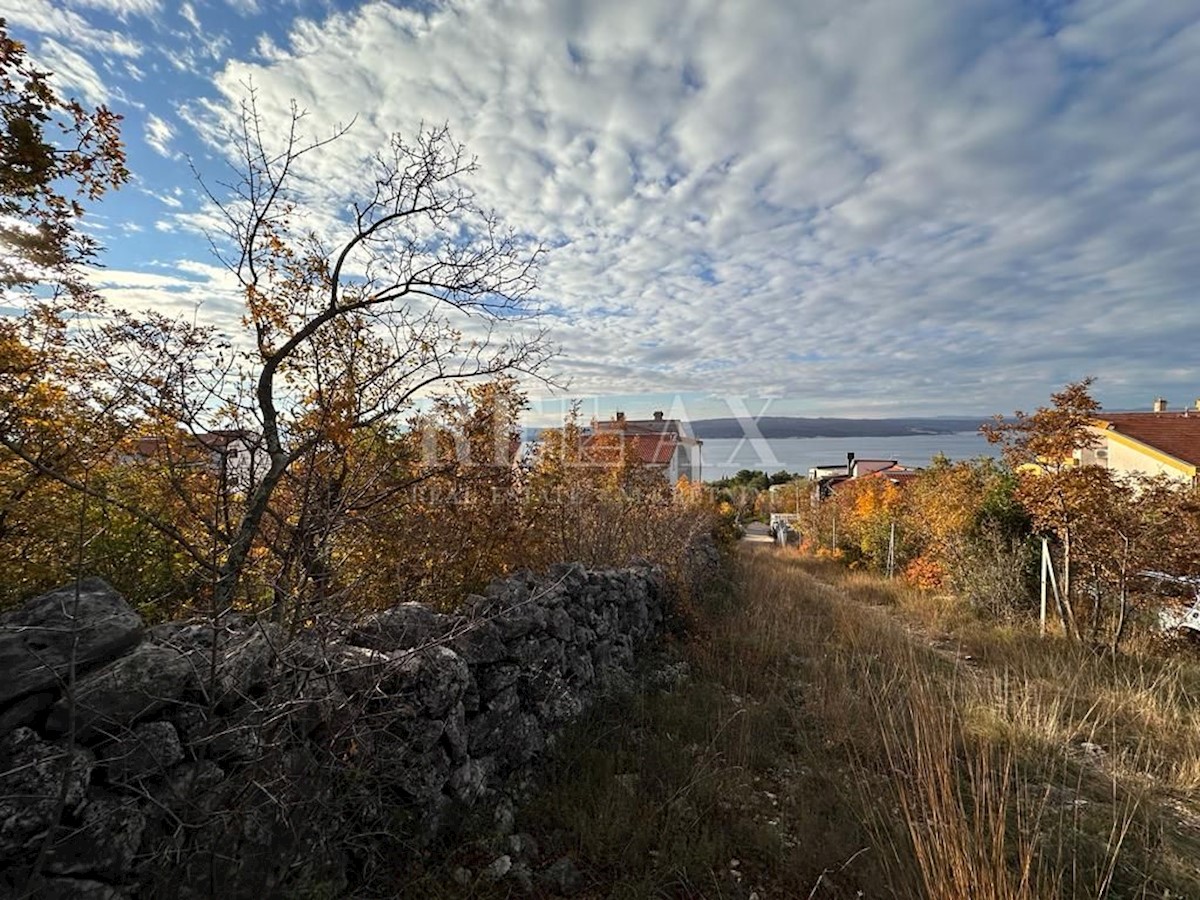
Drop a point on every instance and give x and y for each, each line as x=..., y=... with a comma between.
x=1042, y=447
x=593, y=498
x=429, y=511
x=55, y=157
x=348, y=324
x=55, y=154
x=968, y=532
x=868, y=508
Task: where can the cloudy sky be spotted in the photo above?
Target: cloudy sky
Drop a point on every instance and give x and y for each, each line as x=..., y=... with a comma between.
x=861, y=207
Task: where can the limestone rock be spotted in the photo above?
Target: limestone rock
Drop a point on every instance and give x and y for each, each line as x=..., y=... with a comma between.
x=435, y=679
x=245, y=664
x=402, y=627
x=522, y=845
x=526, y=740
x=36, y=640
x=150, y=749
x=479, y=642
x=30, y=787
x=77, y=889
x=190, y=789
x=579, y=667
x=227, y=741
x=468, y=782
x=495, y=678
x=455, y=732
x=104, y=845
x=421, y=775
x=522, y=620
x=26, y=710
x=143, y=682
x=488, y=729
x=552, y=698
x=241, y=770
x=498, y=868
x=560, y=624
x=562, y=878
x=357, y=669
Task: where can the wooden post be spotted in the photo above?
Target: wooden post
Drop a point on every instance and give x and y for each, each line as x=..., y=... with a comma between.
x=1045, y=559
x=1048, y=576
x=891, y=557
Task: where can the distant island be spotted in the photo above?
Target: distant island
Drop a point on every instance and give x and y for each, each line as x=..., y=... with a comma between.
x=774, y=427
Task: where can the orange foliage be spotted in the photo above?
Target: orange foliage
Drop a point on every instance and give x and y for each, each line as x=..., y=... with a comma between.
x=925, y=573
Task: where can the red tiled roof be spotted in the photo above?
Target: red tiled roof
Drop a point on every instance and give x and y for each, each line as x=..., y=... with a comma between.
x=653, y=427
x=217, y=441
x=867, y=466
x=1173, y=433
x=223, y=437
x=894, y=472
x=651, y=449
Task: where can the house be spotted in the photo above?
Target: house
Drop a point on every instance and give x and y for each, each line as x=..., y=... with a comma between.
x=236, y=454
x=825, y=479
x=1158, y=442
x=666, y=444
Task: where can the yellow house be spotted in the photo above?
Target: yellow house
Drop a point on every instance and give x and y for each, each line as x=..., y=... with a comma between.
x=1161, y=442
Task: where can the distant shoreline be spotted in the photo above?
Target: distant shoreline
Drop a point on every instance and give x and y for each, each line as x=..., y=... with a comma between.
x=784, y=427
x=724, y=457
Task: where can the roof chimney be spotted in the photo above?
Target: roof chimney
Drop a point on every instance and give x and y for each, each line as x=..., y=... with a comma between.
x=658, y=415
x=1160, y=405
x=849, y=463
x=620, y=417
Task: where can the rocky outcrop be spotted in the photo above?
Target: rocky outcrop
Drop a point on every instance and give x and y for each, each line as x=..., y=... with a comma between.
x=222, y=760
x=40, y=642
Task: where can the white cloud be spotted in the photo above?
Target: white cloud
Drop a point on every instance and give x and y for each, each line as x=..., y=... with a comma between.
x=45, y=17
x=867, y=206
x=122, y=8
x=245, y=7
x=172, y=198
x=189, y=14
x=159, y=135
x=183, y=288
x=73, y=71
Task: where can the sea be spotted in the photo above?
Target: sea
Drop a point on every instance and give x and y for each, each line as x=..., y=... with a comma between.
x=723, y=457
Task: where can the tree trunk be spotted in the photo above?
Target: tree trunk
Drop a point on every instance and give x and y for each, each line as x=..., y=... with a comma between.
x=1123, y=600
x=230, y=572
x=1094, y=628
x=1065, y=609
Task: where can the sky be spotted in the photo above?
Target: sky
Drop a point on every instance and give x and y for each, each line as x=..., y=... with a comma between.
x=835, y=207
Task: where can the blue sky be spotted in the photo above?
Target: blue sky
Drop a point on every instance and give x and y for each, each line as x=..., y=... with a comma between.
x=858, y=208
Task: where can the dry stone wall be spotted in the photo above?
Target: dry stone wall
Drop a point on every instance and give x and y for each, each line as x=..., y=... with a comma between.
x=204, y=759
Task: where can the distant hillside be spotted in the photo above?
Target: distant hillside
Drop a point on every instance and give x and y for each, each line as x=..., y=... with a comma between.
x=795, y=427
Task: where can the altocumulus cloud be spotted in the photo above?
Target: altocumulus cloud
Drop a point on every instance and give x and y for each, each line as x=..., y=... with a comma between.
x=869, y=206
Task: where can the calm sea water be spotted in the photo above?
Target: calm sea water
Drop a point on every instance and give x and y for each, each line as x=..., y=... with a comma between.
x=725, y=457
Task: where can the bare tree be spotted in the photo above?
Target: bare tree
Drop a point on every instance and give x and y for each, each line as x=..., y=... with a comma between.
x=349, y=330
x=352, y=316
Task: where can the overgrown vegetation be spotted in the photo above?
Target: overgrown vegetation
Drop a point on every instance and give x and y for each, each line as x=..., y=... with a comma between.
x=355, y=443
x=975, y=528
x=743, y=492
x=841, y=735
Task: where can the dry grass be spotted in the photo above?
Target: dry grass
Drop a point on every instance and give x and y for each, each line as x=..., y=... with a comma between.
x=1017, y=767
x=842, y=736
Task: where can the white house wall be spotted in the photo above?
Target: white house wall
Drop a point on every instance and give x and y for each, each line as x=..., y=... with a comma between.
x=1120, y=457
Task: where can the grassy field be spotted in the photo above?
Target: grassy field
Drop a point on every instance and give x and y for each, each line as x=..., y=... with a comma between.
x=843, y=736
